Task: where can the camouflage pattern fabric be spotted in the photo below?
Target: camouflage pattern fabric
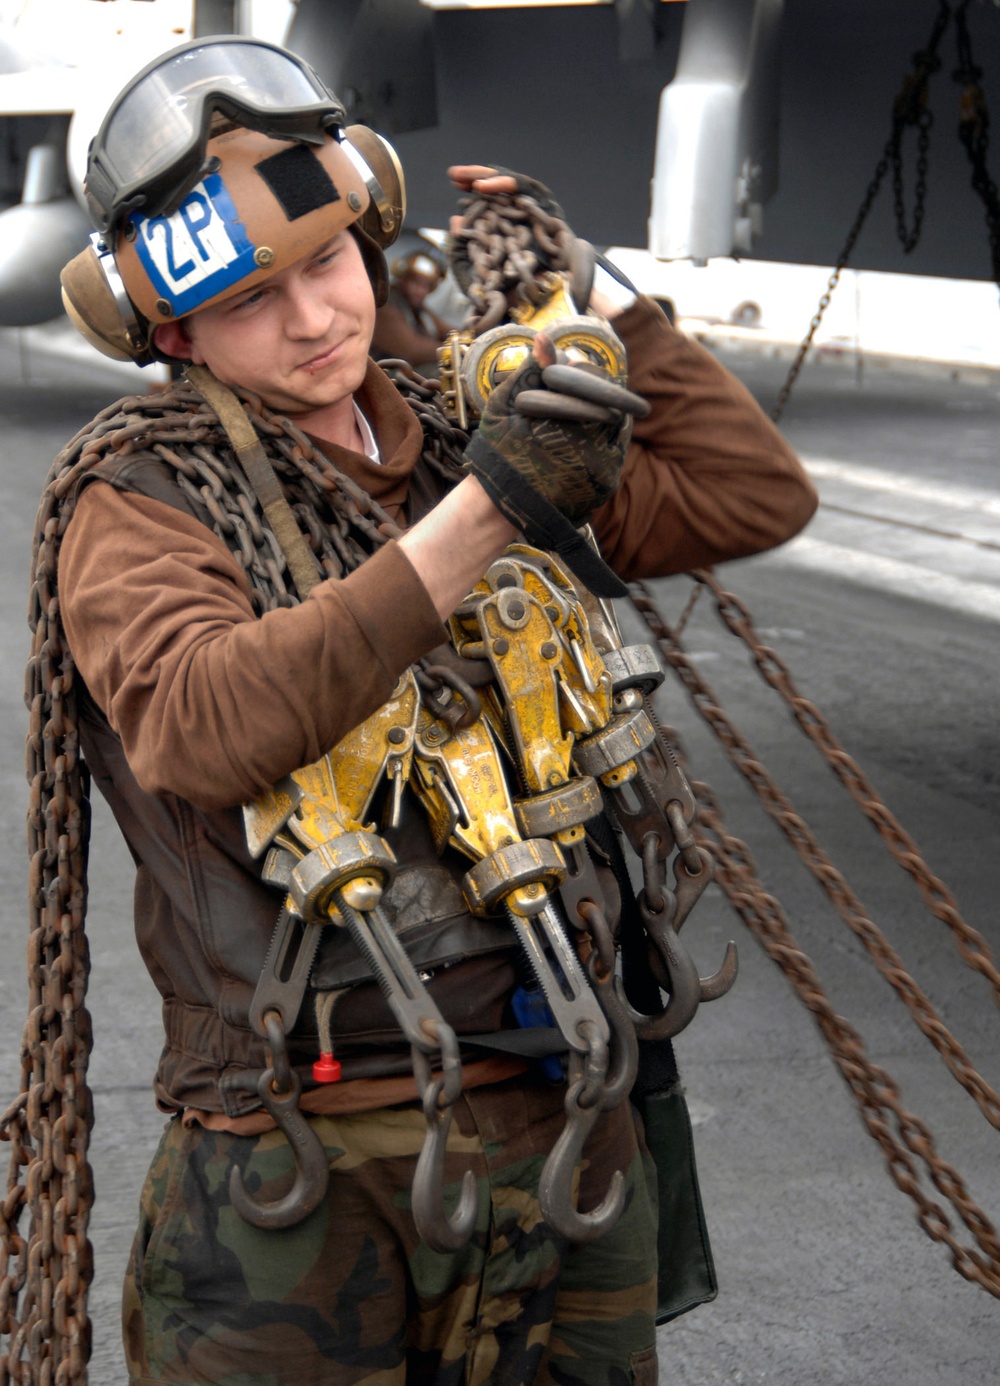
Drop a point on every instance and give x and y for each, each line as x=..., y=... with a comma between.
x=351, y=1297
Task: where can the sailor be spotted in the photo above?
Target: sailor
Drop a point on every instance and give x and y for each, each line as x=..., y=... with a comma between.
x=396, y=1062
x=405, y=327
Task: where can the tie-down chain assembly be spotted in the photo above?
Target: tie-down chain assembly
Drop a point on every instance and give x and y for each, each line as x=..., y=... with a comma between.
x=473, y=361
x=334, y=871
x=565, y=720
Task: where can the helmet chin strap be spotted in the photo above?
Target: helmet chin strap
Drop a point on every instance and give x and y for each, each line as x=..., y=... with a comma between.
x=260, y=474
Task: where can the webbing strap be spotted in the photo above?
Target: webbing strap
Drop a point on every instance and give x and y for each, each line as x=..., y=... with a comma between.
x=260, y=474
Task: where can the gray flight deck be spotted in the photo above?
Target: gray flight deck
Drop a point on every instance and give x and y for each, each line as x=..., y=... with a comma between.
x=888, y=615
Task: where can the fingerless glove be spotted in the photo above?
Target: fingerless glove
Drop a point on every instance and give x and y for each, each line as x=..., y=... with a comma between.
x=548, y=475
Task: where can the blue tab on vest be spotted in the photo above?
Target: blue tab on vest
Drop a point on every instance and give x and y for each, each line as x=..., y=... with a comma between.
x=197, y=251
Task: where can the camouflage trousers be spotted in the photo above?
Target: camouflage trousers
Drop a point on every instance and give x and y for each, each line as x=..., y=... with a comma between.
x=352, y=1297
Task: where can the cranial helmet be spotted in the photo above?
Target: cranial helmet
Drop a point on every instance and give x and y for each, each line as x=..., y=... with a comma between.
x=418, y=263
x=219, y=164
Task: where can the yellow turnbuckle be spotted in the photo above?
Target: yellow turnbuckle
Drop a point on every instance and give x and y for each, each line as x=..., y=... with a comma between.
x=471, y=367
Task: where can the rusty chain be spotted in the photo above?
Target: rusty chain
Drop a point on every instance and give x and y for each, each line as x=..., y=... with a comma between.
x=902, y=1137
x=974, y=132
x=509, y=242
x=49, y=1270
x=46, y=1267
x=973, y=948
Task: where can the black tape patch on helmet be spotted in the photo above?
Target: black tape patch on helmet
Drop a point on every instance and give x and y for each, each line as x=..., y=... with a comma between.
x=298, y=180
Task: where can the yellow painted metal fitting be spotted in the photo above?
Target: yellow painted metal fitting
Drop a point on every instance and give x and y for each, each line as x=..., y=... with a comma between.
x=504, y=877
x=332, y=864
x=471, y=367
x=614, y=746
x=559, y=810
x=620, y=775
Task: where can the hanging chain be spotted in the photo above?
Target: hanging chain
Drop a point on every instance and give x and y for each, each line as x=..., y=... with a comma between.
x=910, y=108
x=903, y=1138
x=843, y=898
x=974, y=132
x=48, y=1125
x=872, y=1088
x=45, y=1254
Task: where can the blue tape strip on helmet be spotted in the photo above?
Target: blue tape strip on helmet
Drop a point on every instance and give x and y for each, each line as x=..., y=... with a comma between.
x=196, y=252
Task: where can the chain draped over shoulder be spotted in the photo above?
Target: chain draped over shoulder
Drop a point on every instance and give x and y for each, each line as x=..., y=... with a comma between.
x=48, y=1125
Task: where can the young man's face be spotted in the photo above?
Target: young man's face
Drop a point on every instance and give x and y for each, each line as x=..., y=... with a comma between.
x=299, y=340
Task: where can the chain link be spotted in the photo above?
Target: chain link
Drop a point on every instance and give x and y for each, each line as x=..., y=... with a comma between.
x=46, y=1265
x=510, y=243
x=974, y=132
x=902, y=1137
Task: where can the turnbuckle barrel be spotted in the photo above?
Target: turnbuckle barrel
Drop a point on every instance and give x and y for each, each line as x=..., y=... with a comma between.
x=408, y=998
x=285, y=974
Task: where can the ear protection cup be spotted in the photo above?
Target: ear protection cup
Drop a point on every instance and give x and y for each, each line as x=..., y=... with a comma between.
x=383, y=220
x=100, y=310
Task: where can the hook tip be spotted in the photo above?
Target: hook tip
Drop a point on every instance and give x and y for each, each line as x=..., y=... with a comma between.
x=720, y=982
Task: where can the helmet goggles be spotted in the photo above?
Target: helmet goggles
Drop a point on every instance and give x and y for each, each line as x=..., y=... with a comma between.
x=150, y=149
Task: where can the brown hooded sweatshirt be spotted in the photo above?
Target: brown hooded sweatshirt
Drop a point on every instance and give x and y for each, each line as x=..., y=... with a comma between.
x=198, y=705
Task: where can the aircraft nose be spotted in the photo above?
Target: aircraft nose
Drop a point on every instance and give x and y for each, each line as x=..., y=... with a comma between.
x=36, y=240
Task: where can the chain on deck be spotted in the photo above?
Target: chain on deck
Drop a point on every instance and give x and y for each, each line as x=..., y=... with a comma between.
x=906, y=1142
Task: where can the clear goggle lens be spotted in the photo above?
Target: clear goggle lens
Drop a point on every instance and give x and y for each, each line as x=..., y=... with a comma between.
x=156, y=133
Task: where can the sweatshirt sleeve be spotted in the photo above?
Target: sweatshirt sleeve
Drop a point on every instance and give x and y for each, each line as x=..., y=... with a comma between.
x=212, y=703
x=707, y=475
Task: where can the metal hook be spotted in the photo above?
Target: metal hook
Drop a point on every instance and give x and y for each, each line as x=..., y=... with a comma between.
x=652, y=873
x=555, y=1185
x=438, y=1095
x=689, y=886
x=312, y=1169
x=624, y=1044
x=675, y=971
x=719, y=983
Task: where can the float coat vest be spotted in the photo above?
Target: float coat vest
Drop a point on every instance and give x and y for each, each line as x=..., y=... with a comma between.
x=204, y=916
